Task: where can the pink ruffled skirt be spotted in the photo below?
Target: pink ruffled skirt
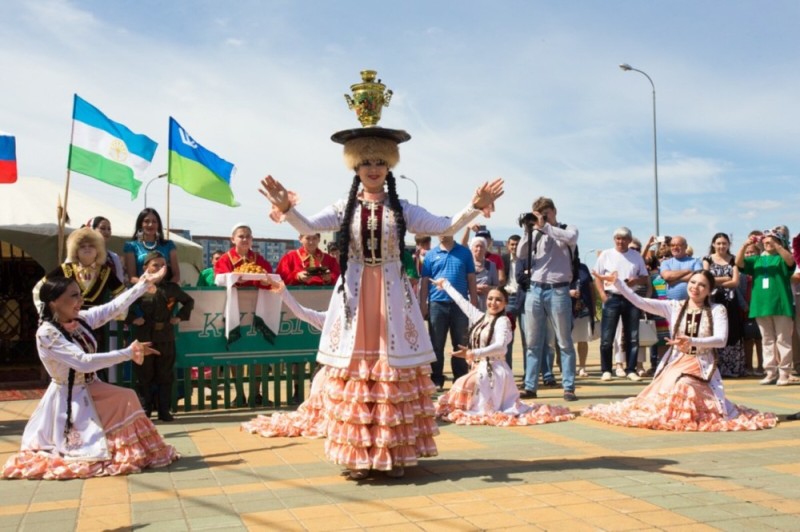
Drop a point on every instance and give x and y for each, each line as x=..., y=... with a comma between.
x=309, y=420
x=372, y=415
x=477, y=399
x=678, y=399
x=133, y=443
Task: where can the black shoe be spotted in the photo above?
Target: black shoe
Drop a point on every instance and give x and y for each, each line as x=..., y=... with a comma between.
x=166, y=417
x=793, y=417
x=570, y=396
x=528, y=394
x=550, y=384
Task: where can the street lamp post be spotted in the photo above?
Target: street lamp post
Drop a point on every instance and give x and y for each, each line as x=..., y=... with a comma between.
x=626, y=67
x=148, y=186
x=416, y=188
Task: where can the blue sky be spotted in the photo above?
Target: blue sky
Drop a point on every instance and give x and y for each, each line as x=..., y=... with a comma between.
x=525, y=90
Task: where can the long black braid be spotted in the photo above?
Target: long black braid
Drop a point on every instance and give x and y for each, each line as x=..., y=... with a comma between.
x=397, y=209
x=343, y=240
x=473, y=340
x=70, y=378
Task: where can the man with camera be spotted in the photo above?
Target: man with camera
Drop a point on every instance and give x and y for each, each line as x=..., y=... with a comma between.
x=546, y=253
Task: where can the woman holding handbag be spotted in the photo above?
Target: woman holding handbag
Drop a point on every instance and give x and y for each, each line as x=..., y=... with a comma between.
x=721, y=264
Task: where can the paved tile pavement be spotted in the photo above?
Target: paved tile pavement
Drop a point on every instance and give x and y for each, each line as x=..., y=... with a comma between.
x=578, y=475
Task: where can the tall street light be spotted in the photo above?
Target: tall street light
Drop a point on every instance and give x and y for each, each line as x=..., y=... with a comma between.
x=415, y=186
x=148, y=186
x=626, y=67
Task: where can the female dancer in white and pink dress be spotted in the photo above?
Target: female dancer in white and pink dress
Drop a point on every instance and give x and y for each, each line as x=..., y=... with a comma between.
x=84, y=427
x=374, y=345
x=488, y=395
x=686, y=393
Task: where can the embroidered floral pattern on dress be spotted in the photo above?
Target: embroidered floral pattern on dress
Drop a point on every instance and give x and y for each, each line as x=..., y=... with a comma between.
x=411, y=334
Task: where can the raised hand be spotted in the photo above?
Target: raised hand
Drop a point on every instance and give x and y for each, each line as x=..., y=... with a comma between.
x=141, y=350
x=438, y=283
x=609, y=278
x=153, y=278
x=682, y=343
x=486, y=194
x=276, y=193
x=465, y=353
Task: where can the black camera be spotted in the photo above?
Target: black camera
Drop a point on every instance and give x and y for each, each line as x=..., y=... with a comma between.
x=526, y=219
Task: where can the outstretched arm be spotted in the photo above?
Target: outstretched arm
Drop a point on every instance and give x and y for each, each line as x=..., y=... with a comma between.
x=473, y=313
x=653, y=306
x=100, y=315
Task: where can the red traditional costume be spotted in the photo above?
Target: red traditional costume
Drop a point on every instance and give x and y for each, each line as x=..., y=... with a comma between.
x=299, y=260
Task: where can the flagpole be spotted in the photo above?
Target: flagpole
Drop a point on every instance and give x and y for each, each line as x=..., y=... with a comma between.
x=168, y=189
x=63, y=218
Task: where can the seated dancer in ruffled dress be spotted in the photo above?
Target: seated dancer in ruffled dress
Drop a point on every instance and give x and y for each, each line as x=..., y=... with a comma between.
x=309, y=419
x=488, y=395
x=84, y=427
x=374, y=344
x=686, y=393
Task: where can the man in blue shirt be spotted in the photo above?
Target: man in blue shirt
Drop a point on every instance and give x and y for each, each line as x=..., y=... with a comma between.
x=453, y=262
x=677, y=270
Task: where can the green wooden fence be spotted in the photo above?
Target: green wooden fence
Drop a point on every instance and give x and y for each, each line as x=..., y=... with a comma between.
x=267, y=373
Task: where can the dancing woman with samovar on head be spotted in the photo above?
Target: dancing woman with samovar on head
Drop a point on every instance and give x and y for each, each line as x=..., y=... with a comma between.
x=374, y=344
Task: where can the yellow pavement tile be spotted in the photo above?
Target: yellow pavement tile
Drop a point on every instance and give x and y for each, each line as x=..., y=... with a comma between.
x=160, y=495
x=696, y=527
x=419, y=501
x=629, y=506
x=13, y=509
x=495, y=493
x=538, y=489
x=396, y=527
x=712, y=448
x=361, y=507
x=496, y=521
x=783, y=505
x=455, y=497
x=586, y=510
x=104, y=510
x=447, y=525
x=46, y=506
x=274, y=518
x=616, y=522
x=427, y=513
x=562, y=498
x=519, y=501
x=107, y=522
x=792, y=469
x=370, y=519
x=323, y=481
x=448, y=442
x=466, y=509
x=662, y=518
x=603, y=494
x=572, y=525
x=339, y=522
x=322, y=510
x=536, y=516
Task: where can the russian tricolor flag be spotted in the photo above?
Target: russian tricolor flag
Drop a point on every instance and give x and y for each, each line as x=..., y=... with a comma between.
x=8, y=159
